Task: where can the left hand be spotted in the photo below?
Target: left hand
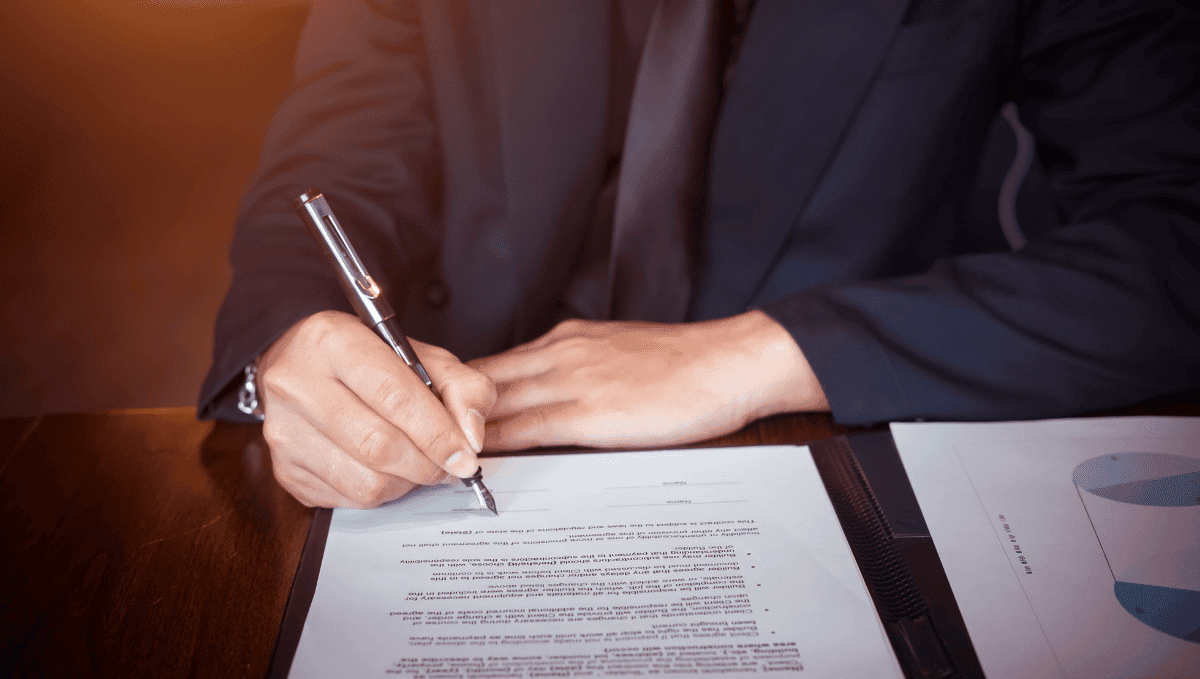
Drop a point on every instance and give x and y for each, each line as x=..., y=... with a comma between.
x=633, y=384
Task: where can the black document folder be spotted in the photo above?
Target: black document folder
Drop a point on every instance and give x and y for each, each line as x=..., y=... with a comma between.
x=875, y=504
x=887, y=534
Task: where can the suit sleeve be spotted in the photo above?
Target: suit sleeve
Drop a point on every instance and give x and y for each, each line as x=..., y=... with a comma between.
x=1101, y=312
x=358, y=126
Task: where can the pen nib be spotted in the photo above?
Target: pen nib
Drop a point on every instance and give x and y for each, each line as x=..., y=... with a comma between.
x=475, y=483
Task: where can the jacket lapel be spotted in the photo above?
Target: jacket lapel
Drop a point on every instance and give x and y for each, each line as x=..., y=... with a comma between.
x=803, y=69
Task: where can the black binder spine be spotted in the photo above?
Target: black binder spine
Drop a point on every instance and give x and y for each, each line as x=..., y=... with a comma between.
x=901, y=606
x=304, y=586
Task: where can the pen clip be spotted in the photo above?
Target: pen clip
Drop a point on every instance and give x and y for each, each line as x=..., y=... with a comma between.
x=364, y=293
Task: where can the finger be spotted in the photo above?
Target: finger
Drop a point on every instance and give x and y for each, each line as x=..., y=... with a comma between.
x=571, y=327
x=515, y=364
x=525, y=394
x=367, y=493
x=302, y=484
x=312, y=491
x=381, y=380
x=467, y=394
x=548, y=425
x=333, y=410
x=534, y=357
x=318, y=468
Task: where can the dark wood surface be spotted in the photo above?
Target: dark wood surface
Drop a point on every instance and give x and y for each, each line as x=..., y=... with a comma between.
x=142, y=543
x=145, y=543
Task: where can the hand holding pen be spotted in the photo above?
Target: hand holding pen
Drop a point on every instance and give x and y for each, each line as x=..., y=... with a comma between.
x=351, y=425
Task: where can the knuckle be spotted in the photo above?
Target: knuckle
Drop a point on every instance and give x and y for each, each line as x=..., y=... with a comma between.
x=392, y=397
x=277, y=382
x=476, y=387
x=360, y=496
x=282, y=478
x=339, y=415
x=471, y=387
x=487, y=390
x=375, y=448
x=303, y=495
x=416, y=467
x=276, y=436
x=431, y=353
x=586, y=372
x=288, y=482
x=574, y=349
x=441, y=439
x=315, y=327
x=325, y=332
x=372, y=491
x=570, y=326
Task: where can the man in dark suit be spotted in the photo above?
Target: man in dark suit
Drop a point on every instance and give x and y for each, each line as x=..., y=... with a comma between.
x=756, y=207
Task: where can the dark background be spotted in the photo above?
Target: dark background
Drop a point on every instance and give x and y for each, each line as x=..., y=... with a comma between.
x=128, y=130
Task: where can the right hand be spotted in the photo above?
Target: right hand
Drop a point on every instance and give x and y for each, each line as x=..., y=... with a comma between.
x=349, y=425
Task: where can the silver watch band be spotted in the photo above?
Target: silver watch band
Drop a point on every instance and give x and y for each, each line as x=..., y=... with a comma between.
x=248, y=395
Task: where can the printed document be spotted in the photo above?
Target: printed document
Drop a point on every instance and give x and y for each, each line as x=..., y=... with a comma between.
x=1073, y=546
x=711, y=561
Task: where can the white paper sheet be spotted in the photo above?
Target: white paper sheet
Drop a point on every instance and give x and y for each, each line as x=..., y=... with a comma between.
x=711, y=561
x=1073, y=546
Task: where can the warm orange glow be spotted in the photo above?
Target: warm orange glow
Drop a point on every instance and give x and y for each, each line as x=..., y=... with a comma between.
x=127, y=132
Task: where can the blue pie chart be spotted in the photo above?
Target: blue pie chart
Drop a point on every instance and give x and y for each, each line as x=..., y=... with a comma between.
x=1150, y=480
x=1166, y=609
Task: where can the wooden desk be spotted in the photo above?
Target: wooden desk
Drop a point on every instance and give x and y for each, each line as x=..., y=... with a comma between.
x=145, y=543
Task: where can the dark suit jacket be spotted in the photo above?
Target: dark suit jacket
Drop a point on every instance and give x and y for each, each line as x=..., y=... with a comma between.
x=463, y=142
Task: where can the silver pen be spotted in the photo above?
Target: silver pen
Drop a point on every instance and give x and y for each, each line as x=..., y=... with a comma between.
x=368, y=301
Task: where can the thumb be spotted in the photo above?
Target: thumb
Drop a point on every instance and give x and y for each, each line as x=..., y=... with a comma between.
x=468, y=394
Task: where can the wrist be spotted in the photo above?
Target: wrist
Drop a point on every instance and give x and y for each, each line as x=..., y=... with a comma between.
x=777, y=377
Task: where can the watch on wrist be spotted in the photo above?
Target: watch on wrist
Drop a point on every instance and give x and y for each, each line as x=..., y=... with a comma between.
x=248, y=401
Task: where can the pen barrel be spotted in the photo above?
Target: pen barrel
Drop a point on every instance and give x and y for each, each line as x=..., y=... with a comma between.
x=363, y=292
x=389, y=331
x=372, y=310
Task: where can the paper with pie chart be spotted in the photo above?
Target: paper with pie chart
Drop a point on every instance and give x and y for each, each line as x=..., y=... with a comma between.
x=1151, y=545
x=1073, y=546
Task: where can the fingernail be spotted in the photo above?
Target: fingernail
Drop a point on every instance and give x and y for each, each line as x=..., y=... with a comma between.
x=460, y=464
x=476, y=425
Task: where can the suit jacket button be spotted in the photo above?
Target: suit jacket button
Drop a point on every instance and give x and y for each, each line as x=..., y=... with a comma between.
x=437, y=295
